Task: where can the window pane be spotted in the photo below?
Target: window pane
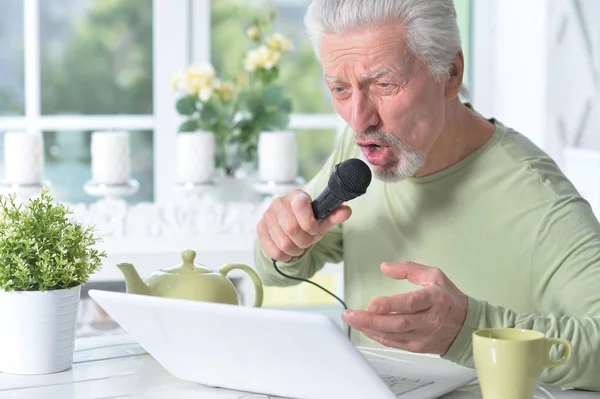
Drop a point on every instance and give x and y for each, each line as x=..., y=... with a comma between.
x=68, y=164
x=12, y=83
x=300, y=71
x=314, y=147
x=96, y=56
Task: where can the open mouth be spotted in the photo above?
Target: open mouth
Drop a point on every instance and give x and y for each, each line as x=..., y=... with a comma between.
x=376, y=154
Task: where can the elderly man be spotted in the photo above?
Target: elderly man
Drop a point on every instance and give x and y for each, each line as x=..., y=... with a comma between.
x=467, y=225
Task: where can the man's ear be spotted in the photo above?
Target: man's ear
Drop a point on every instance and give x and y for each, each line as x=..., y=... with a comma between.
x=455, y=79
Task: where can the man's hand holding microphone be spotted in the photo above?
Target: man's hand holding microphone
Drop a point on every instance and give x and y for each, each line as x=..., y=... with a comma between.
x=289, y=225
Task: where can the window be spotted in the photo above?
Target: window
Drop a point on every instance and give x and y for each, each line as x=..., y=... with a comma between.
x=78, y=66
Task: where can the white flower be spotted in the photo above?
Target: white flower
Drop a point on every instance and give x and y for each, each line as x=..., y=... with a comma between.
x=205, y=94
x=194, y=79
x=280, y=43
x=224, y=90
x=261, y=57
x=253, y=33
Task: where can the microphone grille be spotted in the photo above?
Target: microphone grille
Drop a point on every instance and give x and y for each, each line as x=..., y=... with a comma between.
x=350, y=179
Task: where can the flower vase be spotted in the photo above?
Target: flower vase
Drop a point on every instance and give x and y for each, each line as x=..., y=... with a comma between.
x=277, y=157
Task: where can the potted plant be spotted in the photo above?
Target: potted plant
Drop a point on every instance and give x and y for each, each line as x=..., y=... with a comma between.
x=45, y=257
x=242, y=111
x=267, y=110
x=207, y=105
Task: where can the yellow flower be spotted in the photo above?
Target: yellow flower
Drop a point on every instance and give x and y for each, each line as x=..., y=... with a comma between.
x=261, y=57
x=280, y=43
x=194, y=80
x=200, y=79
x=224, y=90
x=253, y=32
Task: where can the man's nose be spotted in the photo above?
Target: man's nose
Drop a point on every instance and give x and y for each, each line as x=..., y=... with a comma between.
x=364, y=113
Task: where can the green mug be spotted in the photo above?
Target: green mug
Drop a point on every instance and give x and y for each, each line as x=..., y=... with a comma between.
x=509, y=361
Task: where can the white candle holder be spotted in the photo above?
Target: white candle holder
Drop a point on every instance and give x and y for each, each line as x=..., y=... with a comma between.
x=95, y=189
x=272, y=188
x=25, y=191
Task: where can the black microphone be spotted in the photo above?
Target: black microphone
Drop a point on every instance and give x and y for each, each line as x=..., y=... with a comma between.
x=348, y=180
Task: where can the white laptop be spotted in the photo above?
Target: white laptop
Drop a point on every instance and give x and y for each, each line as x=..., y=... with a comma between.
x=275, y=352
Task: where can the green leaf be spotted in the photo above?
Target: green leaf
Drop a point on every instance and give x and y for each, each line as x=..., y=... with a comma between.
x=276, y=120
x=186, y=105
x=189, y=126
x=208, y=114
x=286, y=106
x=273, y=96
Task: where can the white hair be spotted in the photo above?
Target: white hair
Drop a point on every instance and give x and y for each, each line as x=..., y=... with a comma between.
x=430, y=26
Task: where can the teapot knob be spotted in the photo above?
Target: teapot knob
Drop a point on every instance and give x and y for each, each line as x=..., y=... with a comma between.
x=188, y=257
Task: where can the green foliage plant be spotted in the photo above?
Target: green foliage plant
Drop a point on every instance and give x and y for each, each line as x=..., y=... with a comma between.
x=238, y=109
x=42, y=247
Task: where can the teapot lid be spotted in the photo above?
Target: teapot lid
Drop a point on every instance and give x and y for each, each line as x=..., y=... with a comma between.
x=188, y=266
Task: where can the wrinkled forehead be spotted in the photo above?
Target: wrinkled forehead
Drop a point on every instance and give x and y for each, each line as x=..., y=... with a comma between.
x=369, y=52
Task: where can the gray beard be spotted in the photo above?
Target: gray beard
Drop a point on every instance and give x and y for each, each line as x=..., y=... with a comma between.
x=409, y=163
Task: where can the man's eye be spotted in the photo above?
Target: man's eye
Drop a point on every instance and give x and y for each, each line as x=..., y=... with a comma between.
x=384, y=85
x=339, y=89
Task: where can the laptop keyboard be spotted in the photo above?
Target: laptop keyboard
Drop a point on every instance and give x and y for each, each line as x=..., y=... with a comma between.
x=390, y=373
x=400, y=385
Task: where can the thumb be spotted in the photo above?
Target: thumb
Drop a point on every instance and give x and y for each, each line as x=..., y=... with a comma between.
x=337, y=216
x=414, y=272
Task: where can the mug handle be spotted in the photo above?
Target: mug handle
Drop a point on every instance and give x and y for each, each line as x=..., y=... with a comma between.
x=258, y=287
x=565, y=358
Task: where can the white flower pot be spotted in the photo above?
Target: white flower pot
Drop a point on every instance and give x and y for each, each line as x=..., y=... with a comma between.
x=277, y=157
x=195, y=157
x=37, y=330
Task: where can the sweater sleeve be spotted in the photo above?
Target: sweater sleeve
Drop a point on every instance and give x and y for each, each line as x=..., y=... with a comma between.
x=328, y=250
x=565, y=286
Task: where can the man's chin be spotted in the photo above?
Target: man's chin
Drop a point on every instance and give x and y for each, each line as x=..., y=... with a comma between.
x=387, y=173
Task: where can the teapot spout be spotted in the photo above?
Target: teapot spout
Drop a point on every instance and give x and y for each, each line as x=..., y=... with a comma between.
x=133, y=282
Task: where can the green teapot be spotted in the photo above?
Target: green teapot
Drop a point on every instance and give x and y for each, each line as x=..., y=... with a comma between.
x=189, y=280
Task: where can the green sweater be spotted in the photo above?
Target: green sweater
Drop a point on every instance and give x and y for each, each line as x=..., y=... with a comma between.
x=504, y=224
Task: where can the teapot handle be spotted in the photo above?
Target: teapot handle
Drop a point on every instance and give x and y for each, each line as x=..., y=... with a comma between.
x=258, y=287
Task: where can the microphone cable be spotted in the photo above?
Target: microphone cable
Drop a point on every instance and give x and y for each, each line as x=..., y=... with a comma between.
x=315, y=284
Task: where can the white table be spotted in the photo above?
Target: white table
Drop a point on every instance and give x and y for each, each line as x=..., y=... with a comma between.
x=117, y=367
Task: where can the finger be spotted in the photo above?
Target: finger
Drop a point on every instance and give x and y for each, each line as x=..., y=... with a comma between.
x=383, y=323
x=283, y=241
x=301, y=205
x=269, y=245
x=387, y=339
x=414, y=272
x=411, y=302
x=337, y=216
x=412, y=341
x=287, y=224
